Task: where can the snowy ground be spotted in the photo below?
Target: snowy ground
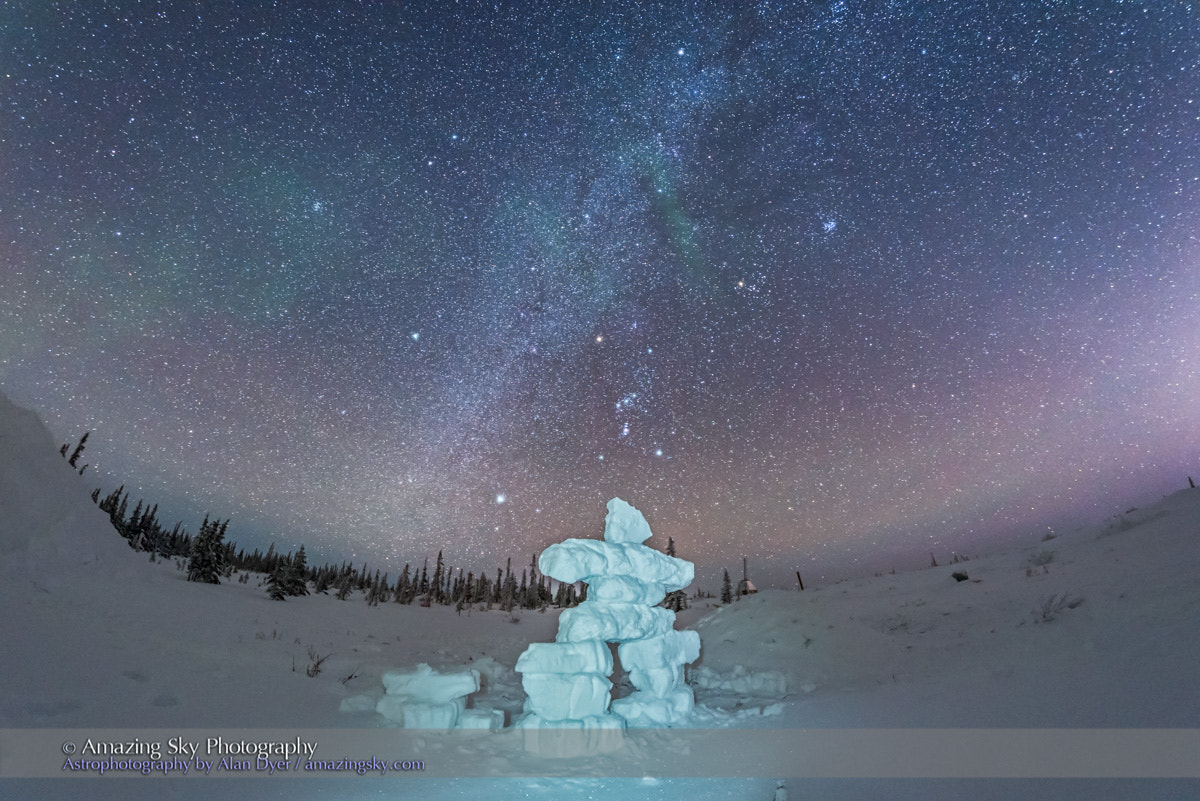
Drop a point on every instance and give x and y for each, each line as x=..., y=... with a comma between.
x=1092, y=629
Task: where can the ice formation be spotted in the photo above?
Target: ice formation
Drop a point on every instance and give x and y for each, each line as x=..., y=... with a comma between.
x=567, y=681
x=423, y=698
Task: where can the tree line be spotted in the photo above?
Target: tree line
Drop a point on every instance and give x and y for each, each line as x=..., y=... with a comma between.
x=210, y=558
x=207, y=557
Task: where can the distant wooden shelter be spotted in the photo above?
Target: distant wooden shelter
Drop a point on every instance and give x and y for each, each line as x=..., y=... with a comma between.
x=745, y=586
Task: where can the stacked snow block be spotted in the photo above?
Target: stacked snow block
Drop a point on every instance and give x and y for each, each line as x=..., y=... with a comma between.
x=568, y=688
x=422, y=698
x=655, y=667
x=567, y=681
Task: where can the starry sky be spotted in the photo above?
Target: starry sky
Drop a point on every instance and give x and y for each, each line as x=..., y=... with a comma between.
x=832, y=285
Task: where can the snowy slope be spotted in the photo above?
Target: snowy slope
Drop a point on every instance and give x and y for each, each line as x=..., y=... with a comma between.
x=1094, y=629
x=49, y=527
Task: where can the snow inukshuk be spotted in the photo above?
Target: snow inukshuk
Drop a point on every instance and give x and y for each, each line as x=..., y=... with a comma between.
x=567, y=680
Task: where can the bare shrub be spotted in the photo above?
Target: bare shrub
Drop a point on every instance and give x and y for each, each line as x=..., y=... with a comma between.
x=1053, y=605
x=314, y=662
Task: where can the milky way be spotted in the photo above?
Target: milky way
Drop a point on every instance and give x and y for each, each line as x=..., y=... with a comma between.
x=816, y=284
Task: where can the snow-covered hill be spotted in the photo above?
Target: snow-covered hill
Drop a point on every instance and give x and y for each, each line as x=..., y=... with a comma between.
x=49, y=527
x=1097, y=629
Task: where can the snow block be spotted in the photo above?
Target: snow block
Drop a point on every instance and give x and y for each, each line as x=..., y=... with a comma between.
x=411, y=714
x=668, y=650
x=625, y=590
x=657, y=681
x=589, y=656
x=769, y=683
x=563, y=739
x=423, y=684
x=582, y=560
x=592, y=620
x=553, y=696
x=492, y=672
x=358, y=703
x=482, y=719
x=625, y=523
x=655, y=665
x=644, y=711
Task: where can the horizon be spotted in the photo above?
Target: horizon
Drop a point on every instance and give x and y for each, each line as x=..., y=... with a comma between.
x=835, y=572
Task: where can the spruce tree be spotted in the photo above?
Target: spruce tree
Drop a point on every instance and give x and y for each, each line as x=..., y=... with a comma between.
x=277, y=581
x=74, y=460
x=438, y=577
x=207, y=561
x=726, y=589
x=321, y=585
x=675, y=601
x=297, y=575
x=404, y=586
x=509, y=593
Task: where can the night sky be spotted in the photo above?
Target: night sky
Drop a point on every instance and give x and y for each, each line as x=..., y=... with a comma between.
x=833, y=285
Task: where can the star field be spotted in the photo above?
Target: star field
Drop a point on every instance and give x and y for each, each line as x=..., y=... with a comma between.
x=824, y=284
